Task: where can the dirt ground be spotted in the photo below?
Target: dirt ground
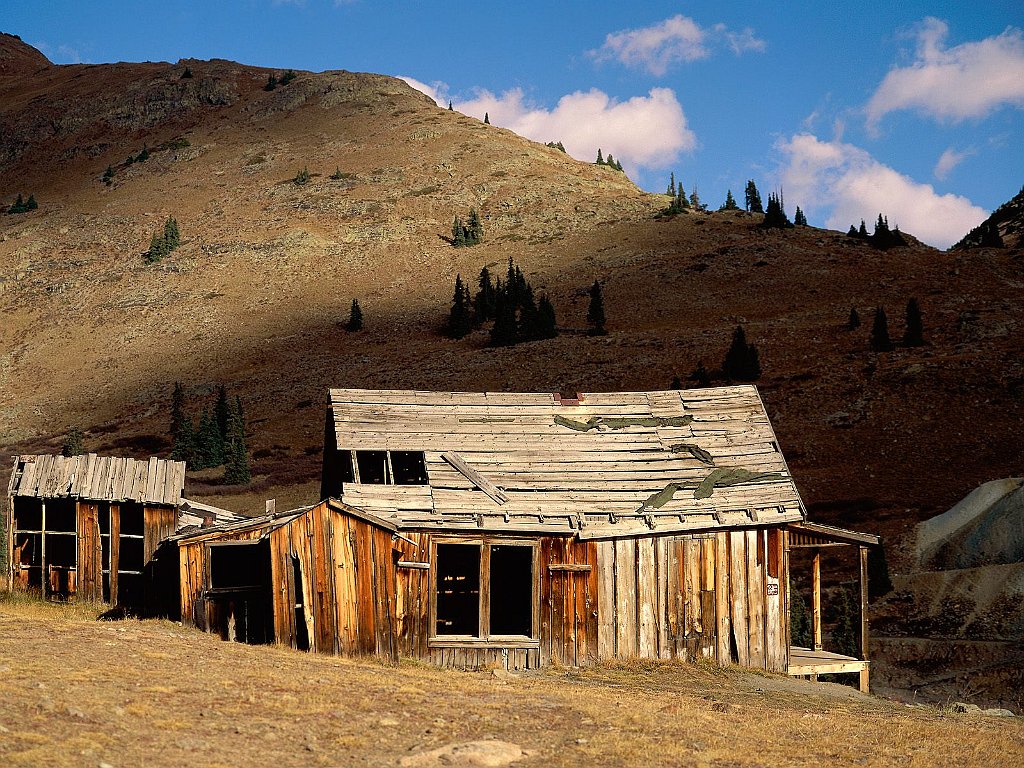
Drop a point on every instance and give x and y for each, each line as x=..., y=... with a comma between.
x=79, y=692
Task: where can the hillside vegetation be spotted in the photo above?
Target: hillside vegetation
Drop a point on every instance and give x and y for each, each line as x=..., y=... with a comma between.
x=337, y=186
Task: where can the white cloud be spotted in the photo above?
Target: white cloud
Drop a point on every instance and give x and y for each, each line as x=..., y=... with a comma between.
x=949, y=160
x=642, y=132
x=678, y=39
x=847, y=184
x=968, y=80
x=61, y=54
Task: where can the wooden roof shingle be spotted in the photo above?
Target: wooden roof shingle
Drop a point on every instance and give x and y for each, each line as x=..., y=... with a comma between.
x=98, y=478
x=611, y=464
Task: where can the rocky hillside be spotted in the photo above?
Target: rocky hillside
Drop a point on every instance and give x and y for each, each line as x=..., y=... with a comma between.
x=257, y=292
x=1003, y=229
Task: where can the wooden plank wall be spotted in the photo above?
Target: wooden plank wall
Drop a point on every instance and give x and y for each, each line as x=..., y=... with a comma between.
x=346, y=578
x=707, y=596
x=568, y=605
x=90, y=552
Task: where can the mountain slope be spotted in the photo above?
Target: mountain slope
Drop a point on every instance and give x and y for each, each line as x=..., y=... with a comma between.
x=267, y=269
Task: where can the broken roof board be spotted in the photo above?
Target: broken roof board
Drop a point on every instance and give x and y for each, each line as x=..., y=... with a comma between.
x=98, y=478
x=602, y=467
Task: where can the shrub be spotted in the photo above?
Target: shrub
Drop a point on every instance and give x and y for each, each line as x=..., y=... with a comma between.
x=302, y=177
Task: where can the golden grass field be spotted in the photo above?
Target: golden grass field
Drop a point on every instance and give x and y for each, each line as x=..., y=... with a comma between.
x=79, y=692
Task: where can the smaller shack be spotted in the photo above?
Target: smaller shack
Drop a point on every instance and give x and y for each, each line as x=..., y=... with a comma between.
x=85, y=526
x=318, y=578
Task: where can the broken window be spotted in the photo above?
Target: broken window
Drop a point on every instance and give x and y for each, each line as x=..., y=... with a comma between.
x=505, y=609
x=373, y=466
x=511, y=590
x=458, y=589
x=409, y=467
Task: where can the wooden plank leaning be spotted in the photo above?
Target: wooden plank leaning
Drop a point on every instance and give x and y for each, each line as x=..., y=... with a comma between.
x=475, y=477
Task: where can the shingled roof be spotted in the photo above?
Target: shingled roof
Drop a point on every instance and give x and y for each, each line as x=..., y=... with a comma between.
x=605, y=464
x=98, y=478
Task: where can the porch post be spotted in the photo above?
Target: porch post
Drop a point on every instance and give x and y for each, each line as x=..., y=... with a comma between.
x=864, y=616
x=816, y=601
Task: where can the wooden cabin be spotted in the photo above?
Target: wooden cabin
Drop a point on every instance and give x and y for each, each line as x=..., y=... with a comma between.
x=535, y=528
x=85, y=526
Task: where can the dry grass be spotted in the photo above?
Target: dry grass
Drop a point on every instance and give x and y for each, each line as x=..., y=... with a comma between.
x=74, y=691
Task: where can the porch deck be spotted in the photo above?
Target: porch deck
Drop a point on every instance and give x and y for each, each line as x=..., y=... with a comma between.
x=804, y=661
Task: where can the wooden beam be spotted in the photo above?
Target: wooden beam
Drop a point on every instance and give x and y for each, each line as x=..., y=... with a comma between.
x=816, y=602
x=481, y=482
x=864, y=603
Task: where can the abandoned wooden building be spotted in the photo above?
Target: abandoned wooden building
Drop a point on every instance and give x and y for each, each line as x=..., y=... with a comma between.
x=85, y=526
x=534, y=528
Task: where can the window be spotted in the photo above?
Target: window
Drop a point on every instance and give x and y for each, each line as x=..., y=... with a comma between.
x=505, y=609
x=380, y=468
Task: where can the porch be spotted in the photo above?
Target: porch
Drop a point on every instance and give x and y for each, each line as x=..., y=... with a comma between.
x=814, y=661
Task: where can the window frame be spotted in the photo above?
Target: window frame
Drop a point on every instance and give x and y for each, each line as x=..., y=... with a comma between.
x=348, y=457
x=483, y=638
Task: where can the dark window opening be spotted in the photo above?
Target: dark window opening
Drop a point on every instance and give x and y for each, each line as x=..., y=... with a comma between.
x=129, y=589
x=240, y=566
x=458, y=589
x=409, y=467
x=104, y=515
x=61, y=515
x=301, y=632
x=131, y=521
x=61, y=550
x=373, y=466
x=511, y=590
x=106, y=586
x=344, y=459
x=28, y=549
x=28, y=514
x=130, y=558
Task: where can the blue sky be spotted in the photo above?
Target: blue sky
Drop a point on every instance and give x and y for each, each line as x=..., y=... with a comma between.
x=912, y=109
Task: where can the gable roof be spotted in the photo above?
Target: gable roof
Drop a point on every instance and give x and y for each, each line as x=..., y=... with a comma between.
x=611, y=464
x=98, y=478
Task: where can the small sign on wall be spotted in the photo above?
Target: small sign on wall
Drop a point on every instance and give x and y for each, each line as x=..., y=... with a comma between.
x=773, y=589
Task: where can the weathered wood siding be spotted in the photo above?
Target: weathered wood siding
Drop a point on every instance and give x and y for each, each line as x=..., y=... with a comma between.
x=712, y=596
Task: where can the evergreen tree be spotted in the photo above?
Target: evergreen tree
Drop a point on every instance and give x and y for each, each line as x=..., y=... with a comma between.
x=18, y=206
x=730, y=202
x=799, y=219
x=177, y=408
x=799, y=621
x=459, y=319
x=700, y=375
x=547, y=325
x=337, y=175
x=863, y=231
x=775, y=215
x=108, y=175
x=172, y=237
x=852, y=232
x=529, y=317
x=677, y=383
x=854, y=322
x=843, y=610
x=503, y=332
x=236, y=465
x=742, y=362
x=288, y=76
x=458, y=233
x=450, y=107
x=187, y=73
x=222, y=412
x=355, y=318
x=302, y=176
x=271, y=83
x=209, y=446
x=671, y=185
x=476, y=229
x=913, y=336
x=879, y=338
x=600, y=159
x=483, y=302
x=184, y=445
x=752, y=198
x=487, y=119
x=74, y=443
x=681, y=197
x=31, y=205
x=143, y=155
x=695, y=202
x=595, y=311
x=157, y=249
